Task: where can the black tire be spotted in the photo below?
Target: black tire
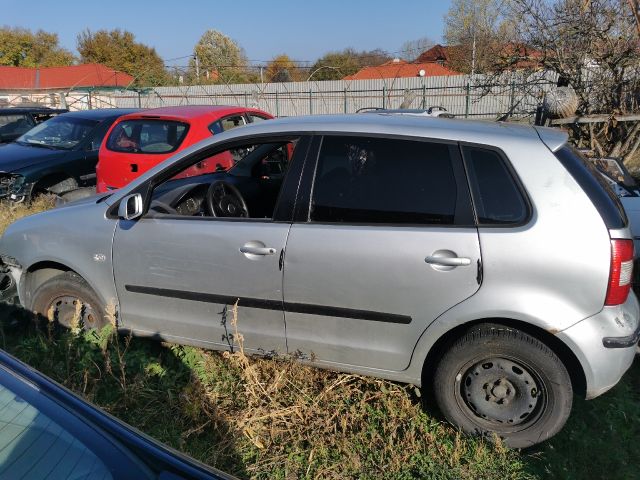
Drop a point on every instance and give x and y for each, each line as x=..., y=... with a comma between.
x=500, y=380
x=78, y=193
x=59, y=295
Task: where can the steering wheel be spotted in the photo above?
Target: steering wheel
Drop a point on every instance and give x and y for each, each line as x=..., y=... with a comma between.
x=225, y=200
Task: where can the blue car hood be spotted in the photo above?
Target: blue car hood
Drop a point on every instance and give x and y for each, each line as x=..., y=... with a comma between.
x=14, y=157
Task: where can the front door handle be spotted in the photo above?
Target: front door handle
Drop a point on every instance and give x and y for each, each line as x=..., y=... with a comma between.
x=253, y=250
x=448, y=261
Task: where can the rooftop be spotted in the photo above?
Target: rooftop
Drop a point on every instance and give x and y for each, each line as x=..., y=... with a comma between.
x=194, y=111
x=401, y=69
x=50, y=78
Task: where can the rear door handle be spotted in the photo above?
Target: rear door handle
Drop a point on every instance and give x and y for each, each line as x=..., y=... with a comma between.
x=251, y=250
x=448, y=261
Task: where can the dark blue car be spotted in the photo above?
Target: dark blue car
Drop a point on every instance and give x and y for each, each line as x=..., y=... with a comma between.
x=47, y=432
x=56, y=156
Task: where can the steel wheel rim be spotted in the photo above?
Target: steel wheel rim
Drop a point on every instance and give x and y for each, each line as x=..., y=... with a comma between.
x=502, y=393
x=65, y=308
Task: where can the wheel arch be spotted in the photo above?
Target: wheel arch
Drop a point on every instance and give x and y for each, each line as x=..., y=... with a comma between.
x=41, y=271
x=563, y=351
x=56, y=182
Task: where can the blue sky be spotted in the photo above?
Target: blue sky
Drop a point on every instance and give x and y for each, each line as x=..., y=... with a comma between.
x=303, y=30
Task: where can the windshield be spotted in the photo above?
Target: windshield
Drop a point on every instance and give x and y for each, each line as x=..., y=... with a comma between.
x=60, y=132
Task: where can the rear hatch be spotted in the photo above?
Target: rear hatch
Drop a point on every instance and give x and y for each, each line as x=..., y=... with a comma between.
x=614, y=217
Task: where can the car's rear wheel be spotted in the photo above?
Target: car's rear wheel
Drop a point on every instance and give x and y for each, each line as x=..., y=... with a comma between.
x=69, y=300
x=500, y=380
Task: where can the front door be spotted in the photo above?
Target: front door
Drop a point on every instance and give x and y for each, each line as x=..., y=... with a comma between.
x=389, y=245
x=178, y=278
x=179, y=270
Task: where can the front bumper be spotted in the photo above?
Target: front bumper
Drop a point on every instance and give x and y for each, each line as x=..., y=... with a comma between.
x=605, y=344
x=14, y=188
x=8, y=286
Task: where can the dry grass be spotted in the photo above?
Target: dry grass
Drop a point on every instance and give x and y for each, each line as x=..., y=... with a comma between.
x=259, y=418
x=10, y=213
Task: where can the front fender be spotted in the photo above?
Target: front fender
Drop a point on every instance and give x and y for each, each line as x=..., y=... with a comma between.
x=77, y=237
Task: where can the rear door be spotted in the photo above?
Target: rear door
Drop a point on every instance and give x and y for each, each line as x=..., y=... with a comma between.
x=384, y=244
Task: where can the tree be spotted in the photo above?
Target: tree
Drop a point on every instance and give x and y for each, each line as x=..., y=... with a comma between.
x=412, y=49
x=474, y=27
x=218, y=59
x=118, y=49
x=593, y=47
x=282, y=69
x=337, y=65
x=20, y=47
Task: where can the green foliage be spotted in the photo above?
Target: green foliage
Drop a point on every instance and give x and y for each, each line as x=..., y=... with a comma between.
x=337, y=65
x=600, y=439
x=220, y=60
x=20, y=47
x=118, y=49
x=282, y=69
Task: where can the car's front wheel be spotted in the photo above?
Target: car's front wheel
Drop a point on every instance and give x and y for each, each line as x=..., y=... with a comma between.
x=500, y=380
x=69, y=300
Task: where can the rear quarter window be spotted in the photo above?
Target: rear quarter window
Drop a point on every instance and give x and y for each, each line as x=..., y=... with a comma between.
x=496, y=196
x=591, y=181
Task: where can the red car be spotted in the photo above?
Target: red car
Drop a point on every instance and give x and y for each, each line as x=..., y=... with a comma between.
x=140, y=140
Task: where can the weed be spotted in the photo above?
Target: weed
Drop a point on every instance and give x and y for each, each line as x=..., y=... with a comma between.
x=9, y=213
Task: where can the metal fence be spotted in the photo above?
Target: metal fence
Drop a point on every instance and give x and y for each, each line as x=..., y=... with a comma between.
x=462, y=95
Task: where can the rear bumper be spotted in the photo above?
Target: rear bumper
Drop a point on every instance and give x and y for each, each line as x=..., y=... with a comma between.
x=605, y=344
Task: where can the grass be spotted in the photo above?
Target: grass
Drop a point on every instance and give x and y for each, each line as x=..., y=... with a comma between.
x=10, y=213
x=261, y=418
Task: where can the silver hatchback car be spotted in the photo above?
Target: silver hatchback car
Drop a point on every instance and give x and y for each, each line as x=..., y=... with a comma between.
x=482, y=261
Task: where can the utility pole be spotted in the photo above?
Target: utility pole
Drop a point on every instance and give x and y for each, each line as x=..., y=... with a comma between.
x=473, y=53
x=474, y=25
x=195, y=57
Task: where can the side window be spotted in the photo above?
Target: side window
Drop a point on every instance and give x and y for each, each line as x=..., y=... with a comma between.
x=227, y=123
x=15, y=125
x=243, y=181
x=254, y=118
x=497, y=198
x=97, y=136
x=232, y=122
x=378, y=180
x=216, y=127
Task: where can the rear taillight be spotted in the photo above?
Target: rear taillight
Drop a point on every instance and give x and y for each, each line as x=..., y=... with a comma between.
x=621, y=272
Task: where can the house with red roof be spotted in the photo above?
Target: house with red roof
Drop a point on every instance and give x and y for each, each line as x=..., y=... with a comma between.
x=511, y=55
x=91, y=75
x=397, y=68
x=439, y=54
